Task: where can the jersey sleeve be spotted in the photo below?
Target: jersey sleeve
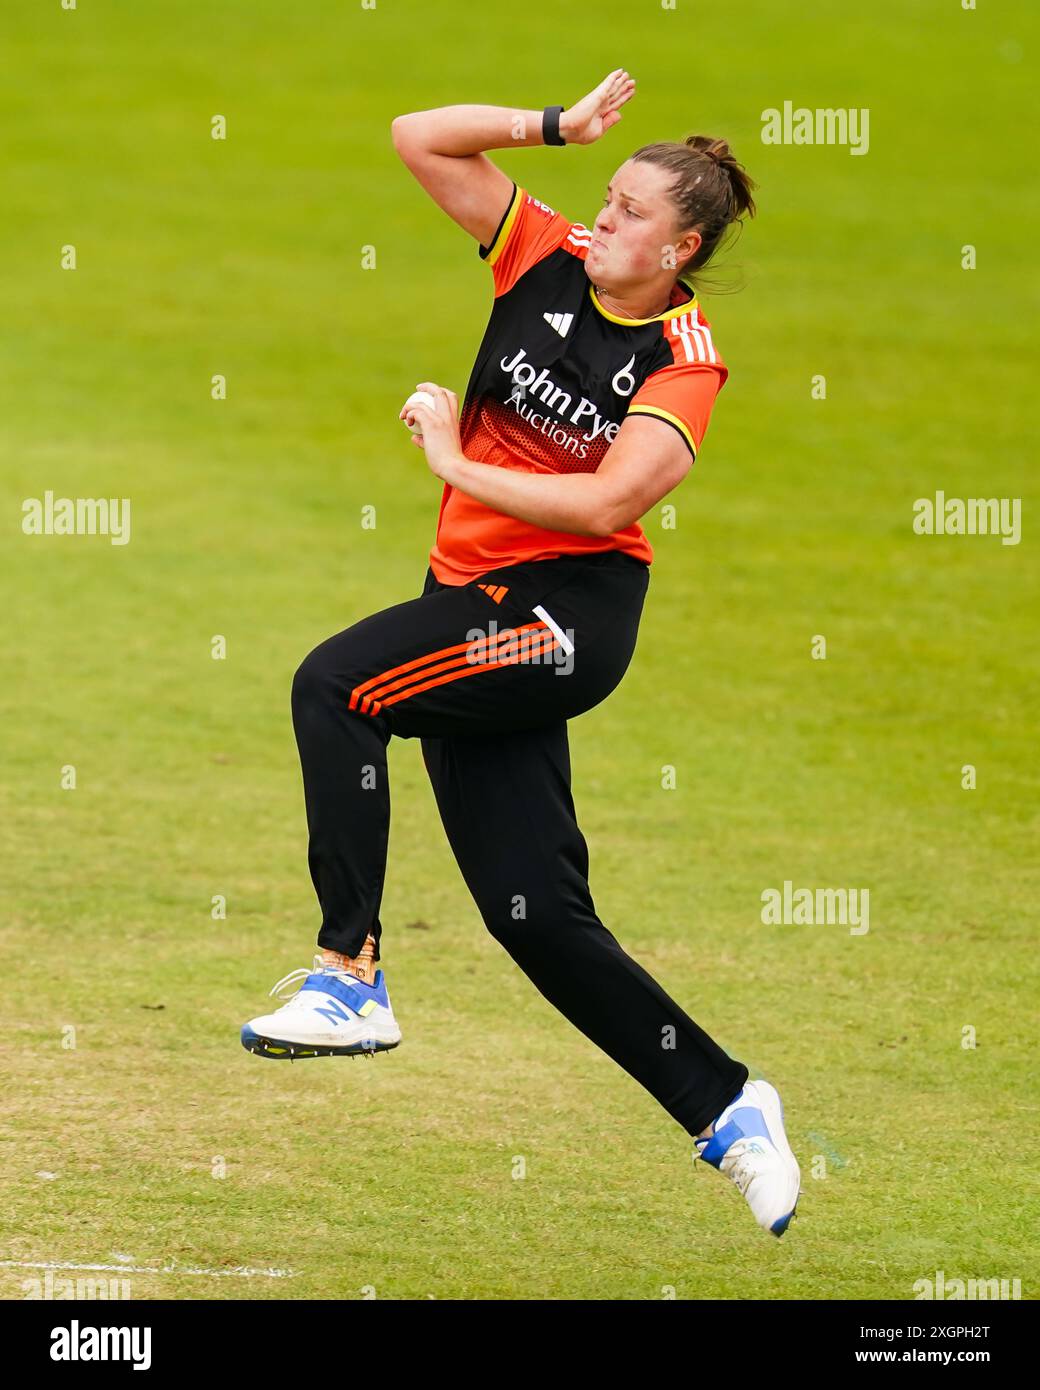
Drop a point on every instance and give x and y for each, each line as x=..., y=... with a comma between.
x=529, y=231
x=682, y=395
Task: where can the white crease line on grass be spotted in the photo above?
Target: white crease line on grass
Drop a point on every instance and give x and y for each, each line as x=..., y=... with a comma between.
x=239, y=1271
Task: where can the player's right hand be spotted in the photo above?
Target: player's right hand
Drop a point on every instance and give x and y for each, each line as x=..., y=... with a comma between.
x=587, y=119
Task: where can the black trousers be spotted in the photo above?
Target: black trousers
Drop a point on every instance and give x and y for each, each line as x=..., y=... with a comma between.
x=486, y=675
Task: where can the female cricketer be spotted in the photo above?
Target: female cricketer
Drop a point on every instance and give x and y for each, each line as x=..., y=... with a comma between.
x=587, y=403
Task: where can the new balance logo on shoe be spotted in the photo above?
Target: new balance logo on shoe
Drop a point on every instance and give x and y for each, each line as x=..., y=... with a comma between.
x=560, y=322
x=334, y=1012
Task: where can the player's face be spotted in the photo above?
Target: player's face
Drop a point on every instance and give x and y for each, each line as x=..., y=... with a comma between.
x=635, y=227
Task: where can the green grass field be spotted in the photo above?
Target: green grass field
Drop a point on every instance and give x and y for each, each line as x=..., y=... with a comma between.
x=242, y=257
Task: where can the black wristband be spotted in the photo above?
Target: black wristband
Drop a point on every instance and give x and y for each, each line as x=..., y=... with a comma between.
x=551, y=126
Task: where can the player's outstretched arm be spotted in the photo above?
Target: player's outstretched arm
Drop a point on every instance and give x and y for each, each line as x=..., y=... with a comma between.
x=444, y=148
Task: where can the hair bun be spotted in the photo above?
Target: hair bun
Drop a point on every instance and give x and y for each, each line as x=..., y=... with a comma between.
x=718, y=151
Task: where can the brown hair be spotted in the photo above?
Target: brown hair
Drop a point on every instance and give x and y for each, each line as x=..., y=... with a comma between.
x=711, y=190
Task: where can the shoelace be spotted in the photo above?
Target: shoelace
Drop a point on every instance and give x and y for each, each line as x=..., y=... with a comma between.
x=298, y=976
x=743, y=1171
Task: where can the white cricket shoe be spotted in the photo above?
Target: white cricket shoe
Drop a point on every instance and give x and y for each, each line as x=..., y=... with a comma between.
x=331, y=1014
x=750, y=1148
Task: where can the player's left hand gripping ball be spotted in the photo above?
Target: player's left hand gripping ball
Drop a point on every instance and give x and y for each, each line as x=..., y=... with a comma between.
x=439, y=424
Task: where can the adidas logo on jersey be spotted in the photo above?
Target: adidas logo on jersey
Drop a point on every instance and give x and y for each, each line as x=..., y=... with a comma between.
x=561, y=322
x=694, y=336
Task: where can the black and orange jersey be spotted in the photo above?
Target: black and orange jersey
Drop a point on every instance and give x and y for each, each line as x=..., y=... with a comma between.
x=555, y=377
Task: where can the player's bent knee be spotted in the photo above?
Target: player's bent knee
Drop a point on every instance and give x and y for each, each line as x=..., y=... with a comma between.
x=312, y=683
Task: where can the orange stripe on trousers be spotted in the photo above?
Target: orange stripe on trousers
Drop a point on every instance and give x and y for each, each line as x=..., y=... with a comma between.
x=367, y=697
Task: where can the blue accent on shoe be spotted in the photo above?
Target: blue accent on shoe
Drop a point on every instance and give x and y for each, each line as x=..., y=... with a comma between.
x=781, y=1223
x=349, y=993
x=746, y=1122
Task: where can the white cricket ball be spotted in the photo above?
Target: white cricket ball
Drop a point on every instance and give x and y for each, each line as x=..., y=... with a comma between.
x=418, y=398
